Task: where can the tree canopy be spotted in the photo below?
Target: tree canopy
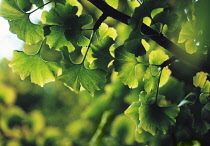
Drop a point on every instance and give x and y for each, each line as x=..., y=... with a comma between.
x=140, y=69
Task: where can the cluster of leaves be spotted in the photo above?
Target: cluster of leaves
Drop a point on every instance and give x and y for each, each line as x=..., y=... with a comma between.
x=58, y=48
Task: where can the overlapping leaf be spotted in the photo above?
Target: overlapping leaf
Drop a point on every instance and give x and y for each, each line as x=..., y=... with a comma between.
x=171, y=19
x=145, y=10
x=57, y=39
x=40, y=71
x=200, y=79
x=151, y=117
x=101, y=51
x=77, y=75
x=152, y=73
x=125, y=64
x=65, y=19
x=25, y=5
x=188, y=34
x=133, y=43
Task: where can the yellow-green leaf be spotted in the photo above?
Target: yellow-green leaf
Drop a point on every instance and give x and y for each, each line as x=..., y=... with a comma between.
x=10, y=10
x=27, y=31
x=40, y=71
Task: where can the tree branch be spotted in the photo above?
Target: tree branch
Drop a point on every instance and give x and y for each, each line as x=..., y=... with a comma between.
x=179, y=53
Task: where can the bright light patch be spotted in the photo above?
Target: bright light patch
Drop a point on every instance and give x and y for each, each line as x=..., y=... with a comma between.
x=8, y=41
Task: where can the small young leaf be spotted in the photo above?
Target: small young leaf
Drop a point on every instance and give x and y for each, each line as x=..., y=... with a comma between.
x=125, y=64
x=40, y=71
x=157, y=57
x=200, y=79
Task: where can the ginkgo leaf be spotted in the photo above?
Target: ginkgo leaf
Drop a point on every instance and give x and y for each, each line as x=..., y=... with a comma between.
x=10, y=10
x=102, y=54
x=132, y=112
x=25, y=5
x=77, y=75
x=188, y=34
x=125, y=64
x=171, y=19
x=133, y=43
x=27, y=31
x=151, y=77
x=56, y=39
x=65, y=16
x=145, y=10
x=200, y=79
x=60, y=15
x=157, y=57
x=40, y=71
x=113, y=3
x=154, y=118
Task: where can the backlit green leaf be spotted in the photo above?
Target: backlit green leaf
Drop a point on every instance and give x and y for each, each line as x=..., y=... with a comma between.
x=10, y=10
x=102, y=53
x=133, y=43
x=154, y=118
x=40, y=71
x=157, y=57
x=113, y=3
x=27, y=31
x=56, y=39
x=64, y=16
x=132, y=112
x=188, y=34
x=77, y=75
x=125, y=64
x=145, y=9
x=151, y=77
x=200, y=79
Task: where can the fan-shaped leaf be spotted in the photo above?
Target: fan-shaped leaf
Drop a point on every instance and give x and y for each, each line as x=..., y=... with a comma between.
x=40, y=71
x=77, y=75
x=125, y=65
x=154, y=118
x=27, y=31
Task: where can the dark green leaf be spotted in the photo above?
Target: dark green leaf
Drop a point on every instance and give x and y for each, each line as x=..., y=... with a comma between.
x=77, y=75
x=125, y=64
